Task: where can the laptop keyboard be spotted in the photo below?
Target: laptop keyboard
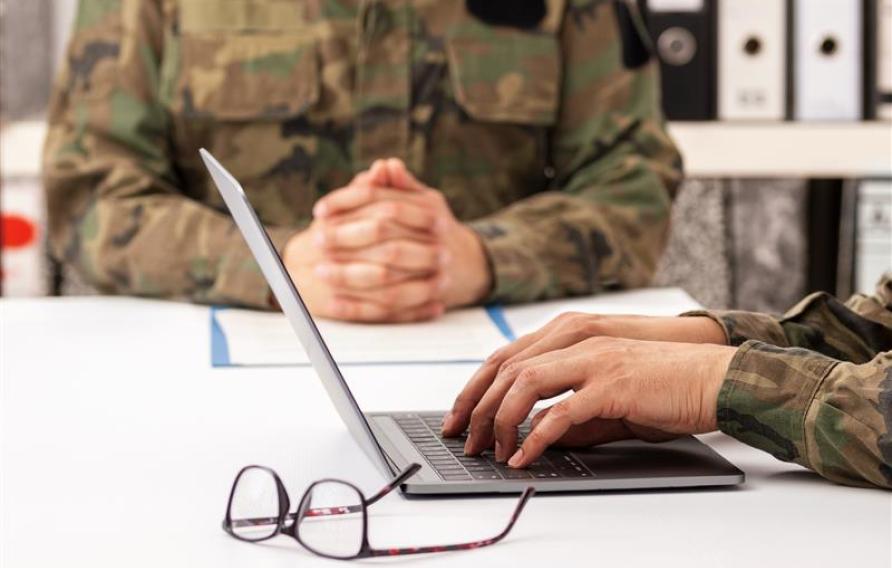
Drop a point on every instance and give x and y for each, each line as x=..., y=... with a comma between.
x=447, y=455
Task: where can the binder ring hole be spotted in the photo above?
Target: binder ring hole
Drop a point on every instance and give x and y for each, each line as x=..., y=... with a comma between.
x=829, y=46
x=752, y=46
x=677, y=46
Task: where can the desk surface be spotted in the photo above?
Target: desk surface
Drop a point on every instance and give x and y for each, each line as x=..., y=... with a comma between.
x=118, y=444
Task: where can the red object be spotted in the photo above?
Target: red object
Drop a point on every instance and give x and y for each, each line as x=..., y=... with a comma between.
x=17, y=231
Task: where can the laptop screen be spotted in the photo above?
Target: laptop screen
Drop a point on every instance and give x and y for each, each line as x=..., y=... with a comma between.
x=294, y=308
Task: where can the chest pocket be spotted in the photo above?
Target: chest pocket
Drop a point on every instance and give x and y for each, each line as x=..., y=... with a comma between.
x=506, y=76
x=241, y=75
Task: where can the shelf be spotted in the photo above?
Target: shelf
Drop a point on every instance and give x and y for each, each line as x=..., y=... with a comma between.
x=710, y=149
x=785, y=149
x=21, y=147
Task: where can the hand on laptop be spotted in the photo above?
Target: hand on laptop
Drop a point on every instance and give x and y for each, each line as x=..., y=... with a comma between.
x=387, y=248
x=622, y=388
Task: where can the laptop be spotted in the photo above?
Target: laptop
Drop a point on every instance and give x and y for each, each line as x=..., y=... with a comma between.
x=393, y=440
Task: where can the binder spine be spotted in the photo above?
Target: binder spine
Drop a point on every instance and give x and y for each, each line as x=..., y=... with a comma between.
x=883, y=60
x=870, y=91
x=683, y=34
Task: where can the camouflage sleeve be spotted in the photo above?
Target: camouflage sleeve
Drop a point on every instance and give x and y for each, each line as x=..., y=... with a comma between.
x=830, y=416
x=605, y=220
x=855, y=331
x=815, y=386
x=118, y=211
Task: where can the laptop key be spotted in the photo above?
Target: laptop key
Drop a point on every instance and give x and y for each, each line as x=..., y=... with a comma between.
x=470, y=460
x=451, y=471
x=510, y=473
x=455, y=476
x=443, y=460
x=578, y=474
x=479, y=468
x=545, y=474
x=440, y=458
x=485, y=476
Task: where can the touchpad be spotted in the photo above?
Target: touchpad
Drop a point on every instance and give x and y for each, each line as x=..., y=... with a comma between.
x=685, y=456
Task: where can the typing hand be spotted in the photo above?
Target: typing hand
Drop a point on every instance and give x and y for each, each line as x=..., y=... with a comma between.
x=565, y=331
x=400, y=241
x=622, y=388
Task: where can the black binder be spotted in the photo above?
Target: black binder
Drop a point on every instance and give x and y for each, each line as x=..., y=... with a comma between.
x=872, y=57
x=685, y=42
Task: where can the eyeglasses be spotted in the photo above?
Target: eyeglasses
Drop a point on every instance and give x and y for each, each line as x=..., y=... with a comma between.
x=331, y=519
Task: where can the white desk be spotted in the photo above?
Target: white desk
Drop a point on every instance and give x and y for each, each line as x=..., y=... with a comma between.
x=118, y=444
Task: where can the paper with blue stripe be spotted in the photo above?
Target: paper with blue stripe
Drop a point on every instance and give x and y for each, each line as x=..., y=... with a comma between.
x=244, y=338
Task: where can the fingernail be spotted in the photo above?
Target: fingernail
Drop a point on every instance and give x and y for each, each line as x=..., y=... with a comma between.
x=440, y=226
x=319, y=239
x=516, y=458
x=468, y=446
x=447, y=422
x=499, y=457
x=320, y=209
x=443, y=283
x=444, y=257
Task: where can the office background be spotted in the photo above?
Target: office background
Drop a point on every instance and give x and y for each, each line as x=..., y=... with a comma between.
x=762, y=219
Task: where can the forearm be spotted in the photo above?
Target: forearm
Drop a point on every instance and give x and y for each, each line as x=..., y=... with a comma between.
x=830, y=416
x=159, y=245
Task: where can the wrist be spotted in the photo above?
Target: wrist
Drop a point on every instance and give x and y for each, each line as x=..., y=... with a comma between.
x=720, y=363
x=475, y=280
x=704, y=329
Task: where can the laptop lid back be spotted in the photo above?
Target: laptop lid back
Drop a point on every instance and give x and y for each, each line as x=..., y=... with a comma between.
x=294, y=308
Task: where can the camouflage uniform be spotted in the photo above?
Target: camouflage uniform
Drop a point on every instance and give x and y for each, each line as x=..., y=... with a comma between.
x=815, y=386
x=541, y=139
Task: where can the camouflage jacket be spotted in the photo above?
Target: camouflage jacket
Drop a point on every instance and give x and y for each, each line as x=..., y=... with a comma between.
x=815, y=386
x=541, y=138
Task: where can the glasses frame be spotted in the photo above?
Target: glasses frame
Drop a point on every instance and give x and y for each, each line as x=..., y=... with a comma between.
x=292, y=529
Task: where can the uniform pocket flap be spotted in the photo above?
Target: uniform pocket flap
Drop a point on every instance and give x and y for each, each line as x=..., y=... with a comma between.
x=246, y=76
x=511, y=77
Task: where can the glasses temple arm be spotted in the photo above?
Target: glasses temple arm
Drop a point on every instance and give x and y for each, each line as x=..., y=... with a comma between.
x=253, y=522
x=524, y=499
x=397, y=481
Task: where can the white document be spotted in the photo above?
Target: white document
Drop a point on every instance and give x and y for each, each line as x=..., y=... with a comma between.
x=752, y=68
x=262, y=338
x=828, y=60
x=528, y=318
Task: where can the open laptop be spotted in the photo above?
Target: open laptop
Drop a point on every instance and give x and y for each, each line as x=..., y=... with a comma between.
x=394, y=440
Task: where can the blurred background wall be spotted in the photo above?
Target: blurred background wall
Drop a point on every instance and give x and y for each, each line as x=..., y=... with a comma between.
x=748, y=242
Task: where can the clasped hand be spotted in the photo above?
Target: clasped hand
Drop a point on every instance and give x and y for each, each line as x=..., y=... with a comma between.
x=386, y=248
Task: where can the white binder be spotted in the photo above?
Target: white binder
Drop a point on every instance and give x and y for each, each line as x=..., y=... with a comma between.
x=752, y=61
x=884, y=59
x=873, y=238
x=828, y=74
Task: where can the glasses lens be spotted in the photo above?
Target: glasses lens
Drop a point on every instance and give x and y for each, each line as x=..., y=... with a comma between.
x=331, y=521
x=254, y=509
